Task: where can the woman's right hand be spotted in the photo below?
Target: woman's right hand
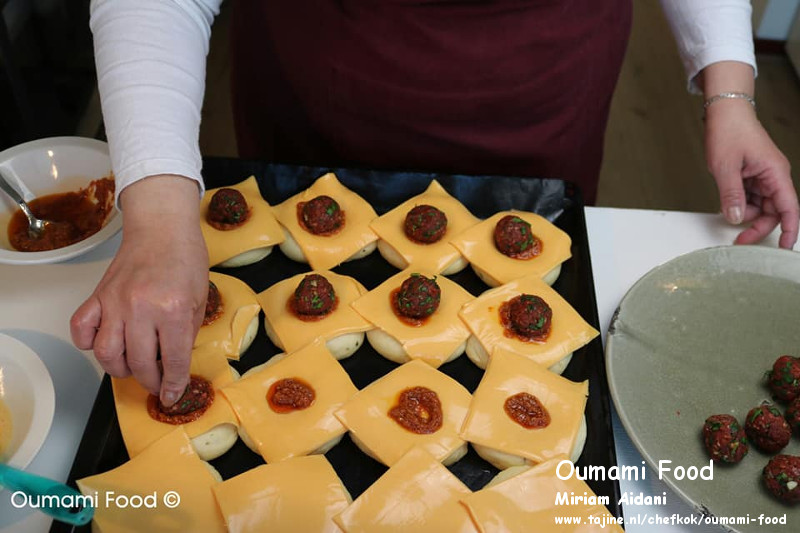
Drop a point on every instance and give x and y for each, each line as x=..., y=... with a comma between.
x=151, y=299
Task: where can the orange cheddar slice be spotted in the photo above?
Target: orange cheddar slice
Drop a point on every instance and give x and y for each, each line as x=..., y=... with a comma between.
x=494, y=268
x=310, y=428
x=290, y=333
x=416, y=494
x=324, y=252
x=527, y=502
x=233, y=330
x=482, y=316
x=434, y=257
x=381, y=437
x=299, y=494
x=261, y=230
x=436, y=339
x=490, y=424
x=212, y=434
x=168, y=465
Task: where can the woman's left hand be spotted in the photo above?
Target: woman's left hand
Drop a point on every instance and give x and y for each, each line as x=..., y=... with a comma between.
x=753, y=176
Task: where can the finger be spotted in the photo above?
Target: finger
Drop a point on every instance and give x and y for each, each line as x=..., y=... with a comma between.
x=784, y=202
x=751, y=212
x=109, y=346
x=176, y=339
x=731, y=191
x=141, y=349
x=84, y=323
x=761, y=227
x=176, y=355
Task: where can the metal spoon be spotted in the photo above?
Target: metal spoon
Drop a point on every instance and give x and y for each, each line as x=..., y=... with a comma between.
x=35, y=226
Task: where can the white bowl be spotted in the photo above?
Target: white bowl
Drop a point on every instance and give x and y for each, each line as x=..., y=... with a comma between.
x=26, y=389
x=49, y=166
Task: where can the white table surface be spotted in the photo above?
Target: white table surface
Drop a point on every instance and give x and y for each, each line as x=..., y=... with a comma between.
x=37, y=301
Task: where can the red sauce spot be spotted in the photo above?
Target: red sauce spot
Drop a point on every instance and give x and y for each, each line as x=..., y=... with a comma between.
x=74, y=216
x=527, y=411
x=290, y=394
x=418, y=410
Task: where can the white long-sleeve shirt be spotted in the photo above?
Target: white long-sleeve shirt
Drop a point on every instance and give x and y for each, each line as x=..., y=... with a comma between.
x=151, y=57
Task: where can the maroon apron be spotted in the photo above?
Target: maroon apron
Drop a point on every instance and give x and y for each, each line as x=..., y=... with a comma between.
x=509, y=87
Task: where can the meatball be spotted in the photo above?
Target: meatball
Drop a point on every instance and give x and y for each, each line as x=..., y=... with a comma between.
x=782, y=477
x=528, y=316
x=314, y=296
x=725, y=439
x=784, y=379
x=767, y=429
x=425, y=224
x=228, y=209
x=213, y=304
x=793, y=415
x=321, y=215
x=418, y=297
x=198, y=395
x=513, y=237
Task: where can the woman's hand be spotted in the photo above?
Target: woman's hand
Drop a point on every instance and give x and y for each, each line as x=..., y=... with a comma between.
x=151, y=299
x=752, y=175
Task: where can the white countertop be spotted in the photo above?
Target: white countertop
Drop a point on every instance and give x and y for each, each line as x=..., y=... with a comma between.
x=625, y=244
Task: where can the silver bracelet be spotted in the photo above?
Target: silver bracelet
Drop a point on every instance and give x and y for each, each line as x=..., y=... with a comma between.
x=729, y=96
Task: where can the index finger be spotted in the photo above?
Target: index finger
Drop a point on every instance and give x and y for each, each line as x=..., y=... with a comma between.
x=784, y=203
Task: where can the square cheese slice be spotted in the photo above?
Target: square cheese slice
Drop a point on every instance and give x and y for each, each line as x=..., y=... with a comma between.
x=526, y=502
x=416, y=494
x=259, y=231
x=139, y=429
x=299, y=494
x=324, y=252
x=477, y=245
x=437, y=337
x=168, y=465
x=568, y=330
x=507, y=375
x=293, y=333
x=366, y=415
x=278, y=436
x=434, y=257
x=239, y=309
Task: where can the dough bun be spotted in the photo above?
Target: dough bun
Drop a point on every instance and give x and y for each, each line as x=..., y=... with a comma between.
x=456, y=455
x=246, y=258
x=485, y=277
x=478, y=355
x=249, y=336
x=391, y=349
x=341, y=347
x=292, y=250
x=503, y=460
x=219, y=439
x=325, y=448
x=396, y=260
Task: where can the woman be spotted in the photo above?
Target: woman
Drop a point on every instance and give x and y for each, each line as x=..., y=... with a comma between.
x=506, y=87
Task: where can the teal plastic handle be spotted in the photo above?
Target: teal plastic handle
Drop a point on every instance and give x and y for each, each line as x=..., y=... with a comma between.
x=36, y=487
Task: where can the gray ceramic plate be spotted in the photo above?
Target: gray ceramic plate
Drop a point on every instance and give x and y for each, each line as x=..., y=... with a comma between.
x=693, y=338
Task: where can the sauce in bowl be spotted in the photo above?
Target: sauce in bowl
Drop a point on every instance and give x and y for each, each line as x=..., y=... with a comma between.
x=74, y=216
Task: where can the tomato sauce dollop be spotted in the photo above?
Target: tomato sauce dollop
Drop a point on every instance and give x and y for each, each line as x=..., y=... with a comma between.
x=290, y=394
x=526, y=410
x=74, y=216
x=418, y=410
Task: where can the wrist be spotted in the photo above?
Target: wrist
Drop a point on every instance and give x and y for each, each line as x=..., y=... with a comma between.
x=728, y=77
x=162, y=202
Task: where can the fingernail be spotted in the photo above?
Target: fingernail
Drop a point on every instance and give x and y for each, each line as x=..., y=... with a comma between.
x=169, y=397
x=734, y=214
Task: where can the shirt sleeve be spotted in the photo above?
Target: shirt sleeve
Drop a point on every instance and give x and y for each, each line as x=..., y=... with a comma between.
x=151, y=59
x=709, y=31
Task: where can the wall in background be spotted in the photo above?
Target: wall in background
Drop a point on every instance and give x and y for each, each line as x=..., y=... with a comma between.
x=772, y=19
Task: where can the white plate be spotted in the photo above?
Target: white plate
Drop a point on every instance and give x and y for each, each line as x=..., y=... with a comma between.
x=27, y=390
x=49, y=166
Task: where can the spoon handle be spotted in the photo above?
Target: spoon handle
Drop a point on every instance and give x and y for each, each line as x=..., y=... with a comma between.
x=9, y=190
x=50, y=497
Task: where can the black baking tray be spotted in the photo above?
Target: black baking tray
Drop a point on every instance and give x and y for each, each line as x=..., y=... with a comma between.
x=102, y=447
